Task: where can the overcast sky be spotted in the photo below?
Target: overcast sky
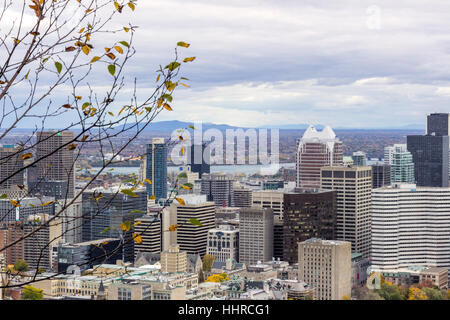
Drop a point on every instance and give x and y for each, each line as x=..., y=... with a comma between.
x=266, y=62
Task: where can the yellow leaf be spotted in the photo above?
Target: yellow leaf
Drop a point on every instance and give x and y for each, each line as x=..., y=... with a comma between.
x=158, y=77
x=189, y=59
x=119, y=49
x=116, y=5
x=27, y=156
x=180, y=201
x=166, y=106
x=95, y=59
x=47, y=203
x=132, y=6
x=182, y=151
x=125, y=226
x=152, y=197
x=173, y=228
x=126, y=29
x=137, y=238
x=148, y=181
x=185, y=85
x=78, y=97
x=15, y=203
x=111, y=56
x=86, y=49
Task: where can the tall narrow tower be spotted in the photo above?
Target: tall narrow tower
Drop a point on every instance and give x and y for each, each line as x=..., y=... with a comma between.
x=156, y=168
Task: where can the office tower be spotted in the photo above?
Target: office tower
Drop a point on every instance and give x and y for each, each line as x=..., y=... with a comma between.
x=438, y=124
x=381, y=175
x=28, y=206
x=149, y=228
x=359, y=159
x=9, y=233
x=156, y=169
x=326, y=264
x=278, y=237
x=410, y=227
x=72, y=220
x=255, y=235
x=102, y=217
x=308, y=213
x=273, y=184
x=316, y=149
x=430, y=156
x=200, y=158
x=10, y=164
x=193, y=238
x=269, y=199
x=242, y=197
x=218, y=188
x=85, y=255
x=174, y=260
x=41, y=247
x=55, y=169
x=223, y=243
x=401, y=162
x=354, y=189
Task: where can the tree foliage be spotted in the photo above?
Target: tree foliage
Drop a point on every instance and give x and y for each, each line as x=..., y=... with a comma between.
x=32, y=293
x=208, y=261
x=218, y=278
x=21, y=265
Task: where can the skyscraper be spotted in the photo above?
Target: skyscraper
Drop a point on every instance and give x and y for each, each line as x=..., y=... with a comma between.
x=255, y=235
x=316, y=149
x=410, y=227
x=439, y=125
x=200, y=158
x=193, y=238
x=156, y=168
x=149, y=228
x=55, y=168
x=359, y=158
x=327, y=266
x=354, y=189
x=401, y=162
x=430, y=156
x=10, y=163
x=381, y=175
x=218, y=188
x=307, y=214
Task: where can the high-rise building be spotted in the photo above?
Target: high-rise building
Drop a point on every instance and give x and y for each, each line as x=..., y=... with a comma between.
x=316, y=149
x=55, y=165
x=359, y=158
x=40, y=248
x=223, y=243
x=326, y=264
x=278, y=237
x=218, y=188
x=308, y=213
x=255, y=235
x=149, y=228
x=81, y=256
x=200, y=158
x=410, y=227
x=354, y=189
x=103, y=216
x=401, y=162
x=193, y=238
x=72, y=220
x=9, y=233
x=242, y=197
x=438, y=124
x=10, y=164
x=156, y=168
x=173, y=260
x=269, y=199
x=430, y=156
x=381, y=175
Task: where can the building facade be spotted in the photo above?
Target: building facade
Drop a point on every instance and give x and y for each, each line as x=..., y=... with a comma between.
x=156, y=168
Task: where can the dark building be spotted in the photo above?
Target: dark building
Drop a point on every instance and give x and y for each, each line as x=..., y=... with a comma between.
x=273, y=185
x=430, y=156
x=381, y=175
x=102, y=218
x=200, y=158
x=156, y=168
x=218, y=188
x=278, y=237
x=307, y=214
x=438, y=123
x=85, y=255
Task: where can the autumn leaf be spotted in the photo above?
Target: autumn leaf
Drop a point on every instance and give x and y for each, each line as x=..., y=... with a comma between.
x=124, y=43
x=187, y=186
x=195, y=222
x=86, y=50
x=67, y=106
x=129, y=192
x=47, y=203
x=173, y=228
x=167, y=107
x=95, y=59
x=152, y=197
x=126, y=29
x=125, y=226
x=148, y=181
x=15, y=203
x=137, y=238
x=183, y=44
x=132, y=6
x=119, y=49
x=189, y=59
x=72, y=146
x=27, y=156
x=180, y=201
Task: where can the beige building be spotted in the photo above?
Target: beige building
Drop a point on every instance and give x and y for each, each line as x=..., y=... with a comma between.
x=173, y=260
x=269, y=199
x=354, y=194
x=223, y=243
x=129, y=291
x=437, y=276
x=326, y=265
x=255, y=235
x=242, y=197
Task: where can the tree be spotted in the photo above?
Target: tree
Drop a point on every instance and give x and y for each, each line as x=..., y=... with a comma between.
x=433, y=294
x=208, y=261
x=218, y=278
x=416, y=293
x=32, y=293
x=389, y=292
x=21, y=265
x=63, y=65
x=346, y=297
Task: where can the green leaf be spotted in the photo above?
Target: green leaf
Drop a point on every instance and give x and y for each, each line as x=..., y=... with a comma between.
x=105, y=230
x=138, y=211
x=129, y=192
x=58, y=66
x=4, y=196
x=183, y=44
x=172, y=66
x=195, y=222
x=182, y=175
x=167, y=97
x=124, y=43
x=183, y=78
x=192, y=127
x=112, y=69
